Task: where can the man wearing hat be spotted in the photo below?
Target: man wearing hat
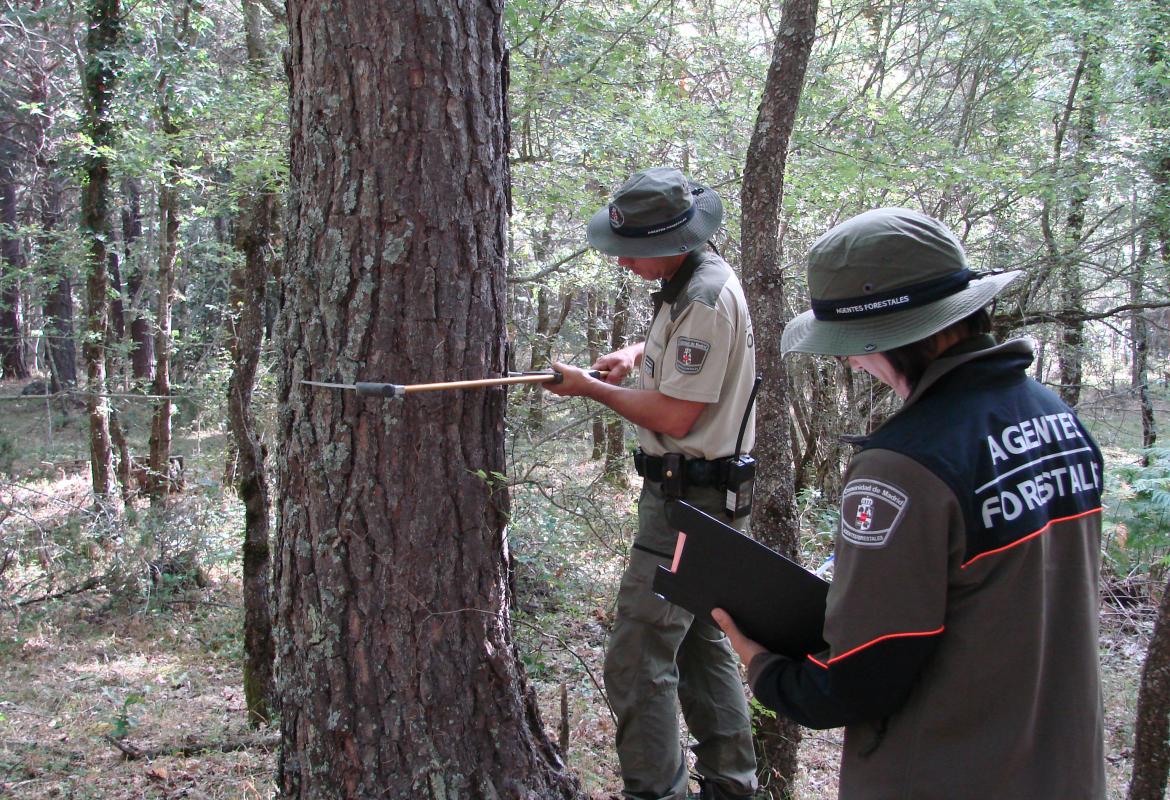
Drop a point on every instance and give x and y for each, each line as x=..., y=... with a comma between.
x=962, y=618
x=696, y=373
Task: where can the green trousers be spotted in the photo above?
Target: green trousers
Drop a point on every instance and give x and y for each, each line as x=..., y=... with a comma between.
x=660, y=657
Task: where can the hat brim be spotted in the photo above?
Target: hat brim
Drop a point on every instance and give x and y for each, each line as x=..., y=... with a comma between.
x=877, y=334
x=701, y=227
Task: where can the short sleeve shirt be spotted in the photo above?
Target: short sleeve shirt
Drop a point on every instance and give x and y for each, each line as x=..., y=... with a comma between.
x=700, y=347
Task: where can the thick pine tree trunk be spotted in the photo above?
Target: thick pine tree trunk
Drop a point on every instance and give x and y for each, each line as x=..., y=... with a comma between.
x=774, y=515
x=397, y=670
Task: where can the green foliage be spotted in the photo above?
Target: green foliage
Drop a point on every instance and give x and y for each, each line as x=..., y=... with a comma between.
x=817, y=518
x=124, y=717
x=7, y=453
x=1138, y=516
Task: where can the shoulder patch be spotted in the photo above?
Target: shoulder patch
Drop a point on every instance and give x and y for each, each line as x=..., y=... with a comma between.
x=690, y=355
x=871, y=511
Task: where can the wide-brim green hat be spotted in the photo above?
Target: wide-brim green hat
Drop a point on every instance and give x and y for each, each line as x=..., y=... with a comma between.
x=657, y=212
x=884, y=279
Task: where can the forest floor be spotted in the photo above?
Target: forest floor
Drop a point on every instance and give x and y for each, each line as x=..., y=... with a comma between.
x=131, y=688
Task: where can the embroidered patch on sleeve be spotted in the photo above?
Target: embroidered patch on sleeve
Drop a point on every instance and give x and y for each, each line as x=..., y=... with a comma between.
x=648, y=365
x=870, y=511
x=690, y=355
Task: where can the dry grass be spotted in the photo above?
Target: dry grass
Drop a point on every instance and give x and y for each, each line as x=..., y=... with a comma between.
x=163, y=672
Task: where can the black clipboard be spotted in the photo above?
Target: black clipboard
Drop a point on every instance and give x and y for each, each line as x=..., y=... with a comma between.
x=772, y=599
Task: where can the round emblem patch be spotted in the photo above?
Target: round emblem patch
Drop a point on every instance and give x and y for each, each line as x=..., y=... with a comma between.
x=616, y=220
x=871, y=511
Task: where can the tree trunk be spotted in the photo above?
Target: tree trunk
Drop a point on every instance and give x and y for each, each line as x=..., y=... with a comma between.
x=1151, y=734
x=142, y=343
x=1151, y=729
x=398, y=672
x=100, y=74
x=595, y=306
x=160, y=483
x=60, y=351
x=615, y=449
x=774, y=516
x=1139, y=379
x=12, y=355
x=1066, y=252
x=246, y=335
x=254, y=228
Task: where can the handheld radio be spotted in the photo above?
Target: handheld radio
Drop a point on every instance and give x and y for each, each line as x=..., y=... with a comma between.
x=741, y=469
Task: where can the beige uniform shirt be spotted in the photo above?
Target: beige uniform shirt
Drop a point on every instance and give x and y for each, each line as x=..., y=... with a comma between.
x=700, y=347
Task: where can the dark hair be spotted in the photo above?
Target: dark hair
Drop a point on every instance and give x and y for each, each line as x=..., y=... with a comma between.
x=911, y=360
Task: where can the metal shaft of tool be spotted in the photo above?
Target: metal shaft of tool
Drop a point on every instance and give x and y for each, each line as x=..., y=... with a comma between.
x=373, y=389
x=438, y=387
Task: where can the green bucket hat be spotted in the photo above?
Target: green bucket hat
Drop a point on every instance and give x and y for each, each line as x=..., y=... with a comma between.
x=884, y=279
x=657, y=212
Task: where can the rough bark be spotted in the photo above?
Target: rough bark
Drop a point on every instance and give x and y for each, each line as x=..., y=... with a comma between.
x=397, y=669
x=774, y=515
x=104, y=18
x=1151, y=730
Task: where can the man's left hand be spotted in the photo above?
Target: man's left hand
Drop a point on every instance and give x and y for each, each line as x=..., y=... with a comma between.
x=575, y=381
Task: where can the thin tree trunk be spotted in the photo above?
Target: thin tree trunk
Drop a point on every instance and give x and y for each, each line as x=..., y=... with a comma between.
x=594, y=333
x=774, y=515
x=1151, y=735
x=160, y=429
x=60, y=350
x=13, y=363
x=1140, y=341
x=248, y=284
x=616, y=457
x=1151, y=729
x=142, y=343
x=398, y=673
x=100, y=74
x=168, y=212
x=12, y=349
x=254, y=228
x=1065, y=250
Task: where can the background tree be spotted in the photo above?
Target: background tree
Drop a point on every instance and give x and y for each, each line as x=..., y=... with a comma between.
x=774, y=512
x=255, y=232
x=393, y=577
x=104, y=19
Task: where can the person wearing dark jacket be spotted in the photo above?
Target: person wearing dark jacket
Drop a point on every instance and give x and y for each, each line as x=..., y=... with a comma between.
x=962, y=618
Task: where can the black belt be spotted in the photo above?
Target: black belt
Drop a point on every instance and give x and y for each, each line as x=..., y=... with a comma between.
x=698, y=471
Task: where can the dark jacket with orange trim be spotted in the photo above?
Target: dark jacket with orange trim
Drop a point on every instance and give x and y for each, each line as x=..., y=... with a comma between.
x=962, y=618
